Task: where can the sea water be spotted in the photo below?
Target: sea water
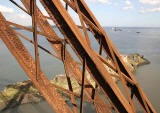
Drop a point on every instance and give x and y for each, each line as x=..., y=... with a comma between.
x=127, y=41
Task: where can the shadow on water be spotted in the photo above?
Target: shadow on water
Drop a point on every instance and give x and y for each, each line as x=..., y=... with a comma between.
x=127, y=41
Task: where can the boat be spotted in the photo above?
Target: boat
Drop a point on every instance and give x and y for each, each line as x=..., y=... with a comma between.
x=116, y=29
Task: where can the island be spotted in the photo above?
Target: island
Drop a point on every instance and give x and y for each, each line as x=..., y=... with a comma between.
x=25, y=92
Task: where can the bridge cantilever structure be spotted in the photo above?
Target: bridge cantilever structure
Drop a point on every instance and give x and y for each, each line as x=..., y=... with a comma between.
x=90, y=61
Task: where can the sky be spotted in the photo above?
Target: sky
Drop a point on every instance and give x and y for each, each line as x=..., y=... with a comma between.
x=121, y=13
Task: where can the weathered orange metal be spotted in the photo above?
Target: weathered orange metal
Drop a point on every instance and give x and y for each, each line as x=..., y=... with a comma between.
x=24, y=58
x=92, y=61
x=71, y=63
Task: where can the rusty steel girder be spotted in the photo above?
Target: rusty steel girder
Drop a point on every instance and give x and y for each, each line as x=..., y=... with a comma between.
x=90, y=60
x=24, y=58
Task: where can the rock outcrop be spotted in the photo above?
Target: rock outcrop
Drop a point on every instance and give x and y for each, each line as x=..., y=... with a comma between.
x=25, y=92
x=19, y=93
x=134, y=60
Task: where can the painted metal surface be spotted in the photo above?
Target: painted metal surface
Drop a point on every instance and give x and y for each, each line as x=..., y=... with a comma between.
x=91, y=61
x=24, y=58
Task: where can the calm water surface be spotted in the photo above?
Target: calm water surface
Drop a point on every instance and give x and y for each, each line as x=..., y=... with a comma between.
x=147, y=43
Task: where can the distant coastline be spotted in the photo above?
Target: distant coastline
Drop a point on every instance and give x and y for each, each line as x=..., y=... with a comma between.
x=125, y=27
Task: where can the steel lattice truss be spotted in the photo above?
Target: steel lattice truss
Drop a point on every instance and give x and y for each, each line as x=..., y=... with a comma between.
x=91, y=61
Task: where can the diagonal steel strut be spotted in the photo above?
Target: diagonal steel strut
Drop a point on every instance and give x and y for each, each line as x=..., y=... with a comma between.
x=78, y=44
x=23, y=57
x=94, y=62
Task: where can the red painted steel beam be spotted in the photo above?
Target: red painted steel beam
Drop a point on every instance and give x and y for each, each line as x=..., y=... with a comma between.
x=106, y=43
x=75, y=108
x=95, y=67
x=44, y=49
x=82, y=87
x=34, y=27
x=26, y=61
x=97, y=30
x=71, y=63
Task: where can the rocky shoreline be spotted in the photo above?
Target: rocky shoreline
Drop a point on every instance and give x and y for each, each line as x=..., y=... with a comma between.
x=25, y=92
